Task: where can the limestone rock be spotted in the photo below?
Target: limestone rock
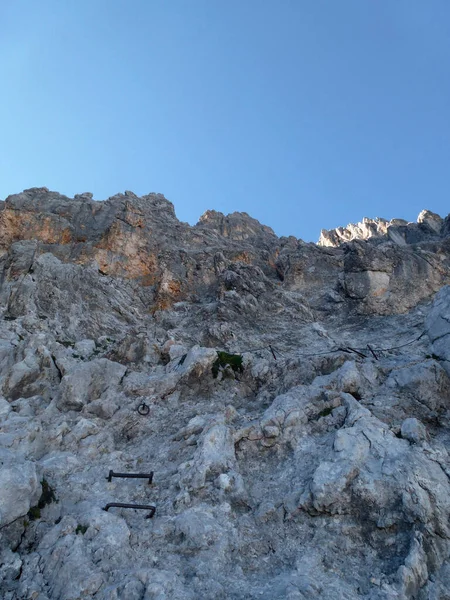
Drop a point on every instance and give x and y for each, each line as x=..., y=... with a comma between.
x=20, y=489
x=433, y=220
x=438, y=327
x=398, y=230
x=366, y=229
x=85, y=348
x=366, y=283
x=413, y=430
x=89, y=382
x=318, y=467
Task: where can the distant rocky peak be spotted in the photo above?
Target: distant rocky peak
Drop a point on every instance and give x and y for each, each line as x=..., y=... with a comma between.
x=401, y=232
x=153, y=200
x=433, y=220
x=353, y=231
x=236, y=226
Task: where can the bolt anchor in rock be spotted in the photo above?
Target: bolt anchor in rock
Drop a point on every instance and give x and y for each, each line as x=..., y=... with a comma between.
x=143, y=409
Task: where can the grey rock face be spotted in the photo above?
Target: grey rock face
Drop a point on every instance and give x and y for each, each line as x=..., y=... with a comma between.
x=89, y=382
x=294, y=405
x=399, y=231
x=413, y=430
x=19, y=490
x=362, y=231
x=434, y=221
x=438, y=327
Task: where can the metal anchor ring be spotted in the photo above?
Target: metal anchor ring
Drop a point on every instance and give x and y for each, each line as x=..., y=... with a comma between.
x=143, y=409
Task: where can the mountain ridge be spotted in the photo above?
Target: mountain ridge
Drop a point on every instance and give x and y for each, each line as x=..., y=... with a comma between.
x=291, y=400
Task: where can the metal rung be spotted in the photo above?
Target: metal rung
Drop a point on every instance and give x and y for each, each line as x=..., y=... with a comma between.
x=148, y=476
x=149, y=507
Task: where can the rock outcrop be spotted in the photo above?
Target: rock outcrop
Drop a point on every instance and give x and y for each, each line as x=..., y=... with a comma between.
x=292, y=399
x=429, y=226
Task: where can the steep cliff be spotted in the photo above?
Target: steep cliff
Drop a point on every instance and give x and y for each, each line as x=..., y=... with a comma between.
x=294, y=397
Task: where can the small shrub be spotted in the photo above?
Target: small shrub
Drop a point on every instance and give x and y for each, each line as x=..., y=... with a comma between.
x=81, y=529
x=34, y=513
x=325, y=412
x=224, y=359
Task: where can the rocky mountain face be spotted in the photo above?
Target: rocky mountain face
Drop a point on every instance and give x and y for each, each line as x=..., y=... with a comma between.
x=292, y=400
x=429, y=226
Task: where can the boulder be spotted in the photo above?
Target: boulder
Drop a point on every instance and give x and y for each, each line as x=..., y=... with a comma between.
x=20, y=489
x=88, y=382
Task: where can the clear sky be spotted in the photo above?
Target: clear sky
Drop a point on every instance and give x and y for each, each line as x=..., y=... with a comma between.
x=306, y=114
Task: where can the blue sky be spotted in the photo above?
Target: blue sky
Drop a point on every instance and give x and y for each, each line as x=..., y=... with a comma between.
x=306, y=114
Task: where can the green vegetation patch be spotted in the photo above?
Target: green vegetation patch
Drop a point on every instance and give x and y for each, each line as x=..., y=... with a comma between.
x=81, y=529
x=34, y=513
x=224, y=359
x=325, y=412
